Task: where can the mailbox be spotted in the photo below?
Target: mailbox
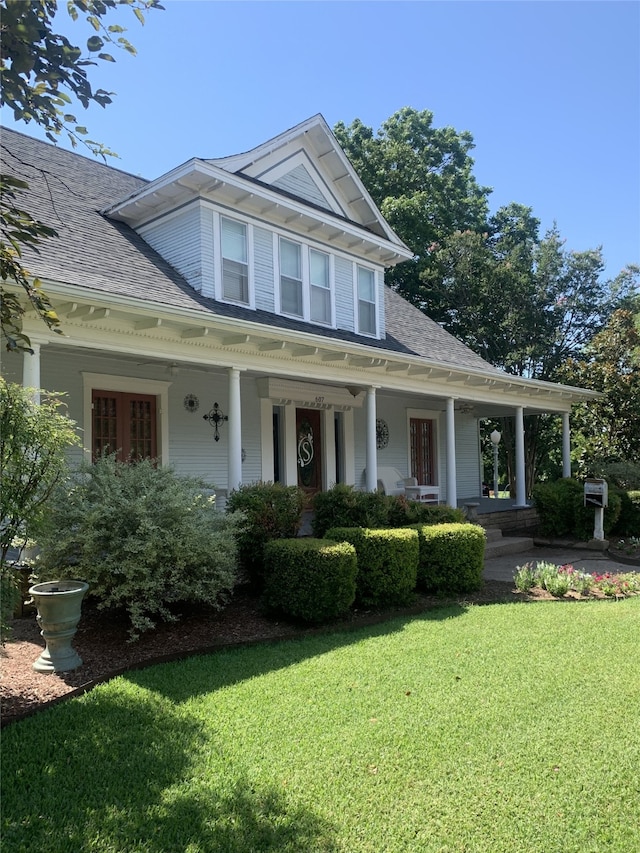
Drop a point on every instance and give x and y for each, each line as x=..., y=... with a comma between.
x=596, y=493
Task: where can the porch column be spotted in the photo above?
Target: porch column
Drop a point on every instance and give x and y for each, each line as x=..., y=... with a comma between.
x=235, y=431
x=452, y=490
x=372, y=452
x=521, y=486
x=31, y=370
x=566, y=445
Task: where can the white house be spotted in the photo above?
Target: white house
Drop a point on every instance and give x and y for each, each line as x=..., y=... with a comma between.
x=231, y=318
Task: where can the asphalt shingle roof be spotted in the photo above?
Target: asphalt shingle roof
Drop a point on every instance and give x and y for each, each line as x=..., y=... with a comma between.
x=67, y=191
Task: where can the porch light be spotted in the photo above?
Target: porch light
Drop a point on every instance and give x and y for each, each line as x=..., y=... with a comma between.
x=495, y=440
x=216, y=418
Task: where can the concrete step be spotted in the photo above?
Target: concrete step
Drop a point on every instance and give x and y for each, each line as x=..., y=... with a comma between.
x=493, y=534
x=507, y=545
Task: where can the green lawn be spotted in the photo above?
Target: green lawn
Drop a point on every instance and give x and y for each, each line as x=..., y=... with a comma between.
x=509, y=727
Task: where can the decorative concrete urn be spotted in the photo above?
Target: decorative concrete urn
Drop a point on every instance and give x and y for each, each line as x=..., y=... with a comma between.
x=59, y=606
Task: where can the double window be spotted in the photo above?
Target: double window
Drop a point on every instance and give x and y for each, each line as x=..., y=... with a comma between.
x=305, y=282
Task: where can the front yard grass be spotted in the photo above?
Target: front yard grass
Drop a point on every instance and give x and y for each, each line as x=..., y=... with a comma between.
x=487, y=729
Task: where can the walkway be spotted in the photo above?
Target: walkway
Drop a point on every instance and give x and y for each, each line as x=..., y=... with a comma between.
x=583, y=559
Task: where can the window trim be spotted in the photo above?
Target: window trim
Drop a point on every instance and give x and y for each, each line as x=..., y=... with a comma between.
x=356, y=300
x=129, y=385
x=219, y=265
x=306, y=250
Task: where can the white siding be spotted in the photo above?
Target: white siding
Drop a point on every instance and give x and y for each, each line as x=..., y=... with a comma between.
x=178, y=238
x=300, y=183
x=344, y=294
x=263, y=267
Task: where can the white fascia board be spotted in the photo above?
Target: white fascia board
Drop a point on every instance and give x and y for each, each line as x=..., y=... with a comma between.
x=537, y=392
x=223, y=170
x=246, y=158
x=118, y=209
x=206, y=173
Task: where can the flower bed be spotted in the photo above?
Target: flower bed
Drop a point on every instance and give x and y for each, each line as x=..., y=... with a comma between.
x=562, y=581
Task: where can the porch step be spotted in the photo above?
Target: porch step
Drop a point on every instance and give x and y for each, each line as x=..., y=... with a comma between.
x=493, y=534
x=499, y=546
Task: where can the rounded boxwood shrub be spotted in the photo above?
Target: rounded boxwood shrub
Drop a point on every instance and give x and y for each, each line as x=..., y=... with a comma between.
x=451, y=557
x=387, y=563
x=313, y=580
x=271, y=511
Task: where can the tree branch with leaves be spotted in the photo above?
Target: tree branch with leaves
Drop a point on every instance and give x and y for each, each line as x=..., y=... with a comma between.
x=42, y=74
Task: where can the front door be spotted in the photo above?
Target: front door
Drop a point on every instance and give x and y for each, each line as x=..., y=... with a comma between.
x=423, y=462
x=309, y=450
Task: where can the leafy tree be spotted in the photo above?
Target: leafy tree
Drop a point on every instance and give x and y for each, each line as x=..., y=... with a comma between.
x=33, y=441
x=606, y=430
x=41, y=74
x=421, y=178
x=34, y=438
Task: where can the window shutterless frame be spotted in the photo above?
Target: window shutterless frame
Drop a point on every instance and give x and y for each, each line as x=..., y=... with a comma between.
x=366, y=301
x=304, y=281
x=233, y=251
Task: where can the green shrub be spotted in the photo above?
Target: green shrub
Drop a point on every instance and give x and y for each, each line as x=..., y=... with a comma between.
x=34, y=439
x=313, y=580
x=387, y=563
x=628, y=523
x=271, y=511
x=561, y=509
x=556, y=506
x=451, y=557
x=9, y=597
x=403, y=512
x=343, y=506
x=142, y=537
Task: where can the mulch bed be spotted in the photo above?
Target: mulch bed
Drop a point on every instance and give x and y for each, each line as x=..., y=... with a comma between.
x=102, y=643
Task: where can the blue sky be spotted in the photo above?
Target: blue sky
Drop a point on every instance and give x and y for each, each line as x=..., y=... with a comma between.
x=549, y=90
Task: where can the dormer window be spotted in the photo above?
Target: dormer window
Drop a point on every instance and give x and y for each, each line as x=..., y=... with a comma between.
x=366, y=301
x=291, y=278
x=320, y=287
x=305, y=276
x=235, y=266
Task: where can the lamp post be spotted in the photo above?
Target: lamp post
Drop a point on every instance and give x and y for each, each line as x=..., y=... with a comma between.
x=495, y=440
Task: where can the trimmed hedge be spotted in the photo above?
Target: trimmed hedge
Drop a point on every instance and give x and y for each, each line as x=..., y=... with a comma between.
x=271, y=511
x=387, y=563
x=343, y=506
x=451, y=557
x=313, y=580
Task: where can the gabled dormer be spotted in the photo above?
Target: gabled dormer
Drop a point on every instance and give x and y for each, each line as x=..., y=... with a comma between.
x=287, y=227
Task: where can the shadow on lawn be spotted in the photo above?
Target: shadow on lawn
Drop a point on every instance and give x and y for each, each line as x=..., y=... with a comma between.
x=115, y=772
x=207, y=672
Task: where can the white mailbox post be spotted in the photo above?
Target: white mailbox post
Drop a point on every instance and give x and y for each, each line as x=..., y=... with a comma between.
x=596, y=495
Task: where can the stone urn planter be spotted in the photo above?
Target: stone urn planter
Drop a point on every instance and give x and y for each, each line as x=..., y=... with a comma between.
x=59, y=606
